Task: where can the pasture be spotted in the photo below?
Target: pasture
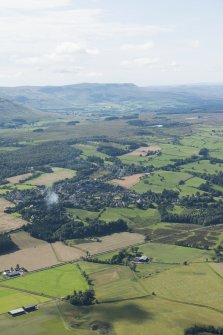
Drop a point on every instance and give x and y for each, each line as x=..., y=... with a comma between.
x=56, y=282
x=150, y=315
x=135, y=217
x=12, y=299
x=166, y=253
x=49, y=319
x=114, y=282
x=159, y=180
x=203, y=166
x=196, y=283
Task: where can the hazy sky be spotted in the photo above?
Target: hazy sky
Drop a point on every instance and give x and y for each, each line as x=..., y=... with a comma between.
x=147, y=42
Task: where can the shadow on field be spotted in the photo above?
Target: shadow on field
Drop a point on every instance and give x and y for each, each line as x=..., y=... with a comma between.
x=128, y=311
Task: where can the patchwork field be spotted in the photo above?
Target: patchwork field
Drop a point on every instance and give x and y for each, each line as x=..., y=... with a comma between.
x=48, y=179
x=128, y=181
x=57, y=282
x=8, y=222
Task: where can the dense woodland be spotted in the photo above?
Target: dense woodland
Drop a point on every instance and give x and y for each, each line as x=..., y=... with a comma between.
x=6, y=244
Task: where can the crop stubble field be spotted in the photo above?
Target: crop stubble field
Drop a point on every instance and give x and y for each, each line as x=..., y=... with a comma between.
x=8, y=222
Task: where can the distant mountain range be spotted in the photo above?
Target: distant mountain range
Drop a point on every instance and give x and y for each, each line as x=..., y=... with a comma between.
x=10, y=111
x=27, y=101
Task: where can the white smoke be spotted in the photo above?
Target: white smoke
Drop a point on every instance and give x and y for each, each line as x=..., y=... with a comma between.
x=51, y=198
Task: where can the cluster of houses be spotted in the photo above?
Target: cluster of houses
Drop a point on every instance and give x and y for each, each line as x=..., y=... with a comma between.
x=14, y=272
x=23, y=310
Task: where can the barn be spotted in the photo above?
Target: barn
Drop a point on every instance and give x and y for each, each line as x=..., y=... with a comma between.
x=30, y=308
x=17, y=312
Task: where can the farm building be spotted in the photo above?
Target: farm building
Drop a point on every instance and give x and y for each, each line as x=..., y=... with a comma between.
x=30, y=308
x=141, y=259
x=17, y=312
x=13, y=274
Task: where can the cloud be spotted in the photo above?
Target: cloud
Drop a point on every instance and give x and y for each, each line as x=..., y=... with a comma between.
x=143, y=61
x=175, y=66
x=138, y=47
x=69, y=70
x=63, y=53
x=33, y=4
x=70, y=48
x=140, y=29
x=195, y=44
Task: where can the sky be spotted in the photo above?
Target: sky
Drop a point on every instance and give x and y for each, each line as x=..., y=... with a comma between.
x=146, y=42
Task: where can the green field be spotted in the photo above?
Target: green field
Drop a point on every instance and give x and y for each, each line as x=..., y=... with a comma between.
x=56, y=282
x=160, y=180
x=134, y=216
x=12, y=299
x=90, y=150
x=203, y=166
x=82, y=214
x=171, y=253
x=147, y=316
x=113, y=282
x=47, y=320
x=195, y=283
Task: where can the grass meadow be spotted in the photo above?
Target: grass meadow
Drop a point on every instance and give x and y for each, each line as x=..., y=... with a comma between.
x=56, y=282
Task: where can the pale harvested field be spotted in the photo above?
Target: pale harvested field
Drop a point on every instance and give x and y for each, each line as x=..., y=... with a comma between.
x=41, y=256
x=48, y=179
x=8, y=222
x=24, y=241
x=218, y=267
x=142, y=151
x=17, y=179
x=112, y=242
x=30, y=258
x=66, y=253
x=128, y=181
